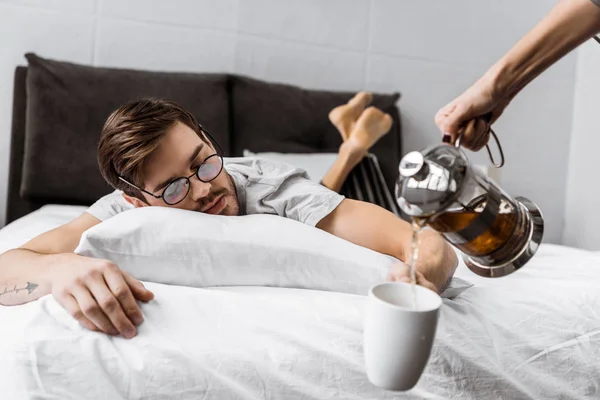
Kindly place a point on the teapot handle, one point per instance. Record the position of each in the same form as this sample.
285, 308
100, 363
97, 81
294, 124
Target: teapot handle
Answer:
487, 146
487, 118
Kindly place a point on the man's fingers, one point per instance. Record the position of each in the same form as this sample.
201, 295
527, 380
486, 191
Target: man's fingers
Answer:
69, 303
112, 308
421, 281
137, 288
400, 272
395, 276
127, 304
92, 311
428, 285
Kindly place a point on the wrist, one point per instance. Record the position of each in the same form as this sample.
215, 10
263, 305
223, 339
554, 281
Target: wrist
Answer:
501, 80
53, 265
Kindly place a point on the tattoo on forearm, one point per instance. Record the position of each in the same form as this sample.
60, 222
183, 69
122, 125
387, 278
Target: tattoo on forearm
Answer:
30, 288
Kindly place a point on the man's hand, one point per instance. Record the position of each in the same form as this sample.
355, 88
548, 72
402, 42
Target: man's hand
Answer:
374, 227
399, 272
99, 295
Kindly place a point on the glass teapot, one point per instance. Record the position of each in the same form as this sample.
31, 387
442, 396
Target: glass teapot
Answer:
497, 234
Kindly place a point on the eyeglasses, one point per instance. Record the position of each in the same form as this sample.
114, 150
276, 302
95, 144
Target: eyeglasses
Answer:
178, 189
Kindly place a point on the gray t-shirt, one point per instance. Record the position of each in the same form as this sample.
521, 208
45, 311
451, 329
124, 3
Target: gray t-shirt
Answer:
263, 187
596, 2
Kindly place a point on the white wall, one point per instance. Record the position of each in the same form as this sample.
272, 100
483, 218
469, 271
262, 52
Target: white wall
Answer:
428, 50
582, 220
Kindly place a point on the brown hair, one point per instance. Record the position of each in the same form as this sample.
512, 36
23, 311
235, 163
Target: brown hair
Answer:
131, 134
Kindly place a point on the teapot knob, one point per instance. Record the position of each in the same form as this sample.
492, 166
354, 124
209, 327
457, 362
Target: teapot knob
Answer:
413, 165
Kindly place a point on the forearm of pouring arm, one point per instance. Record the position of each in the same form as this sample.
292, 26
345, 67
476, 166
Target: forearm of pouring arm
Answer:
569, 23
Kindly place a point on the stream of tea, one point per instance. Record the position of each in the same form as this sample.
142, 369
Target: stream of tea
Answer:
417, 226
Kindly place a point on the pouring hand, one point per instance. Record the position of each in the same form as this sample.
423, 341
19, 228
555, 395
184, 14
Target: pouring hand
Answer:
472, 113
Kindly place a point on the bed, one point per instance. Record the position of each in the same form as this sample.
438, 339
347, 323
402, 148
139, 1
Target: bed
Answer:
533, 334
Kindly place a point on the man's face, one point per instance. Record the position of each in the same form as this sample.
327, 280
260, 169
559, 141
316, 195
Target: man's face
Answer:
179, 154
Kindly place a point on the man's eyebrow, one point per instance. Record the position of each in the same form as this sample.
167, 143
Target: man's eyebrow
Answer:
196, 152
164, 183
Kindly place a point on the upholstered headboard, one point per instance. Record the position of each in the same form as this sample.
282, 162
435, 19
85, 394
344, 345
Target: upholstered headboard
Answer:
59, 109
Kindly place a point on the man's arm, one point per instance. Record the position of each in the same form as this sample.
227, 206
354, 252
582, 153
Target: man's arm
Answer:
33, 264
373, 227
95, 292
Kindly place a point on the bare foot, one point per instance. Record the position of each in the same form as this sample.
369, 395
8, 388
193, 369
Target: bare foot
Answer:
371, 126
344, 117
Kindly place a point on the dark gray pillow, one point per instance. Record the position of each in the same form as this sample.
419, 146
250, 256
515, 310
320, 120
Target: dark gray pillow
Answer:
67, 105
288, 119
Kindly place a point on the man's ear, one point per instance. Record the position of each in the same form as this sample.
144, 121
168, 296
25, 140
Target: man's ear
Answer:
134, 200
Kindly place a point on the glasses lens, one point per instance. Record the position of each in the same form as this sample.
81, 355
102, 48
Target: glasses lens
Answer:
176, 191
211, 168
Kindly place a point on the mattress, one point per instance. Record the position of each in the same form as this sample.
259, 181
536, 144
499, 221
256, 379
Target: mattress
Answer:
533, 334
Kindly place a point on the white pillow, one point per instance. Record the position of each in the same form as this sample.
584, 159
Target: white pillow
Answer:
187, 248
315, 164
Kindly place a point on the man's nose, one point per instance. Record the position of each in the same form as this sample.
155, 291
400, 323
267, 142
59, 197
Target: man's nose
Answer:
198, 188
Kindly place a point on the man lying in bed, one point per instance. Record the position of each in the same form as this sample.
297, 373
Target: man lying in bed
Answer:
155, 153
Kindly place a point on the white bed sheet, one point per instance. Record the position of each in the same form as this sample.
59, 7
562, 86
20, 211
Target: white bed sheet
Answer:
46, 218
533, 334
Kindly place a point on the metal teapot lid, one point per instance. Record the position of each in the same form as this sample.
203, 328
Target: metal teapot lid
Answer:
430, 181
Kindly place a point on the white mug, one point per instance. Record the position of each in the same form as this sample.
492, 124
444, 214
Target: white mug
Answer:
397, 337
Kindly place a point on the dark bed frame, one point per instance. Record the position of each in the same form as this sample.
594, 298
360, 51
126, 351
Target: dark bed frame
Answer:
19, 205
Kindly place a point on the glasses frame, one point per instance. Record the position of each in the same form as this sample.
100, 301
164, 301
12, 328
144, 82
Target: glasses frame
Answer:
218, 154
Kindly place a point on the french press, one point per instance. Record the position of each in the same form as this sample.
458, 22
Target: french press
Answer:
496, 233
